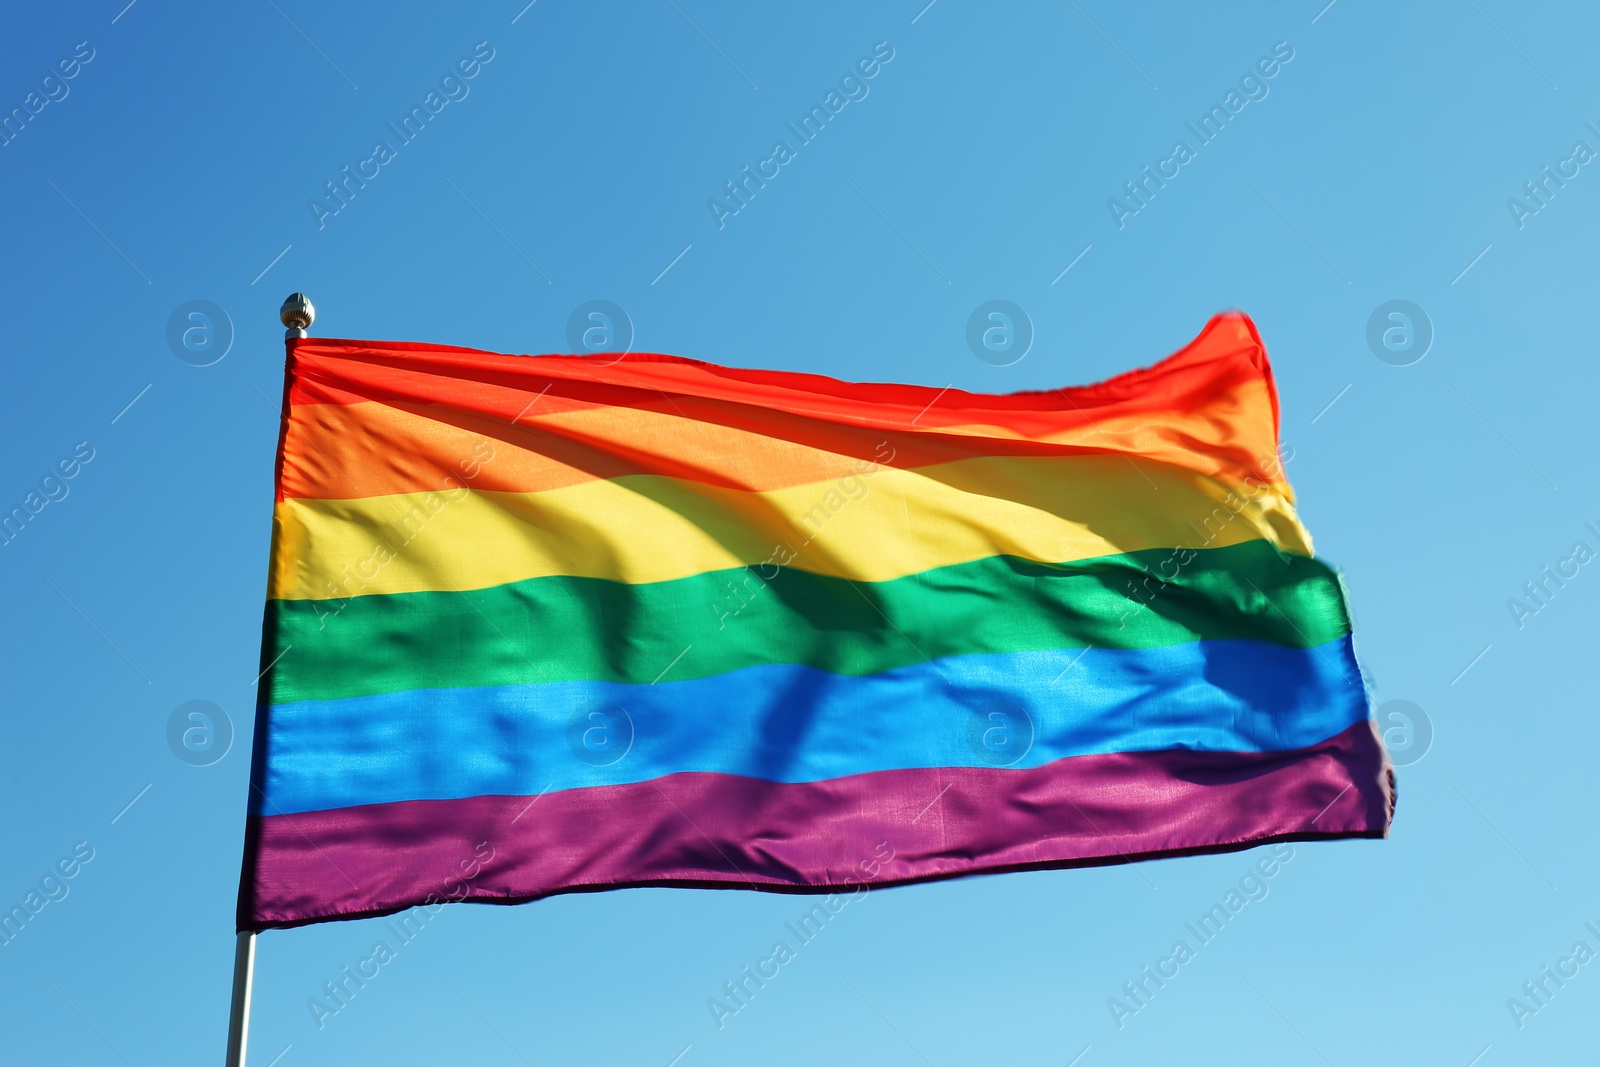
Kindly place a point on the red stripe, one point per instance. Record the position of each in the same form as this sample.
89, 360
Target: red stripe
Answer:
1228, 351
727, 832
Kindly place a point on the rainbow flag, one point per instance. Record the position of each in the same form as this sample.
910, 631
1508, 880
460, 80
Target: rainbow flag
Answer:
550, 624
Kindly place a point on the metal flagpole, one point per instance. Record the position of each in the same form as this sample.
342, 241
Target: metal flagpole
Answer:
296, 314
244, 966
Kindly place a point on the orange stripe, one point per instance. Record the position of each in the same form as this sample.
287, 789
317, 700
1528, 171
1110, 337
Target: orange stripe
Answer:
349, 451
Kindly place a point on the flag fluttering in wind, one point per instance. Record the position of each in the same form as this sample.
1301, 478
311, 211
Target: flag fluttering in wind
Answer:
550, 624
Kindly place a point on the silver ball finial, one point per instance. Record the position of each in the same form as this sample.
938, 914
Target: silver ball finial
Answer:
297, 314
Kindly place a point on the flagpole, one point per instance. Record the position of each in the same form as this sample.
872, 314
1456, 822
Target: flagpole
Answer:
296, 314
244, 966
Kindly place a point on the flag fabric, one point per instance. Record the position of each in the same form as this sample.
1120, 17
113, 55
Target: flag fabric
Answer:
551, 624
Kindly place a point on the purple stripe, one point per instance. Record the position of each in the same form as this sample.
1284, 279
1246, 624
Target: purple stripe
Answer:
728, 832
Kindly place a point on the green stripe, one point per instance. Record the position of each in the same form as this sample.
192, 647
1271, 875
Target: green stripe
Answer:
569, 628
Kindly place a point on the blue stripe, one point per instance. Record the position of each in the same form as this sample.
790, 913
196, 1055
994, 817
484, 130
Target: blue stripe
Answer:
790, 723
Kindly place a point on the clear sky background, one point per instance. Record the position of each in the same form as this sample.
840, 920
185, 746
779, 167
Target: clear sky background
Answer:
177, 167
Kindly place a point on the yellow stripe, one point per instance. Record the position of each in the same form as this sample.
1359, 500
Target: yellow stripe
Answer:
871, 527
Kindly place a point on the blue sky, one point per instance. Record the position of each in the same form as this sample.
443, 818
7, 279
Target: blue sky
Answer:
1378, 163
